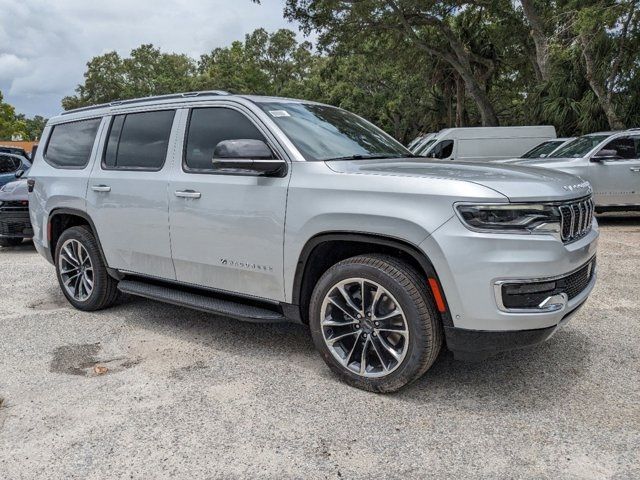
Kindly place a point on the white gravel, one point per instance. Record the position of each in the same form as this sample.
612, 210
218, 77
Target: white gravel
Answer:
190, 395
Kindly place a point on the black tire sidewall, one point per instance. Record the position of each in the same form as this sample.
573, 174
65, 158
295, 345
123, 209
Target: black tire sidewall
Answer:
411, 364
85, 237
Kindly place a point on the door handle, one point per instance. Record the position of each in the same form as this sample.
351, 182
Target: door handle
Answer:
101, 188
187, 194
635, 169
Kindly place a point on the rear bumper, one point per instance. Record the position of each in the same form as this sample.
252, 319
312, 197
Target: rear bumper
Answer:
477, 345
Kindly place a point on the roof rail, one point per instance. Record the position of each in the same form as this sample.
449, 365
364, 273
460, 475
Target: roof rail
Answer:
634, 128
132, 101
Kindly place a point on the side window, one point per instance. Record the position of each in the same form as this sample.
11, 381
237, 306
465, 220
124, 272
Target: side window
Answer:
443, 149
624, 147
210, 126
138, 141
8, 164
70, 144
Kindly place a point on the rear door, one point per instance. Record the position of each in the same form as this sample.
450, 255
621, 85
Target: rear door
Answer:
127, 192
617, 181
227, 230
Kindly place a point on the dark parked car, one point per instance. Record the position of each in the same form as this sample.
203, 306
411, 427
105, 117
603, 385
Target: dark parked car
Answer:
10, 164
14, 151
15, 225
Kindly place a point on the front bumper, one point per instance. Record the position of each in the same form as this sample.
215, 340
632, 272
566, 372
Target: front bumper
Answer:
477, 345
15, 222
472, 267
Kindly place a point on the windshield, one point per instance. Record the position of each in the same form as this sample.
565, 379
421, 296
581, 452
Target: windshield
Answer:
321, 132
542, 150
579, 147
423, 149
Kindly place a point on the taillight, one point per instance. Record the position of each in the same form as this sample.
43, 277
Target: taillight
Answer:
31, 183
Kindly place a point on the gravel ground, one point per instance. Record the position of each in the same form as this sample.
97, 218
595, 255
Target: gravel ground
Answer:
191, 395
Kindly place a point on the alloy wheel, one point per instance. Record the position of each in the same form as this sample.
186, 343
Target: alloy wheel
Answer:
76, 270
364, 327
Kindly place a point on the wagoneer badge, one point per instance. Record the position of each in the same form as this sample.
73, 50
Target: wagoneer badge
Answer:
579, 186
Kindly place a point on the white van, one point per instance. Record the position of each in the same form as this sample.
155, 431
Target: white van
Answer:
485, 143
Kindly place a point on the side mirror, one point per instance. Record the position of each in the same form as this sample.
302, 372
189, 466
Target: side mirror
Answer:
247, 157
605, 154
19, 173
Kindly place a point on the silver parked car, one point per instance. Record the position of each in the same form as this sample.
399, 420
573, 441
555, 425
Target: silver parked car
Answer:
268, 210
546, 148
609, 161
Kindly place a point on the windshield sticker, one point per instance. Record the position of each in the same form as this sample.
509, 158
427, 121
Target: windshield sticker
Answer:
279, 113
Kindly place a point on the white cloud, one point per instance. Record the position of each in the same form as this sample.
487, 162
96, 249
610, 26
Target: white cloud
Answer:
45, 45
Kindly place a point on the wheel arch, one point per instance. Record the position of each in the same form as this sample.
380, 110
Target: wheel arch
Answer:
325, 249
61, 219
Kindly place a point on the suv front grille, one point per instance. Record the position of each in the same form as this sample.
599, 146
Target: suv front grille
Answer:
576, 219
14, 219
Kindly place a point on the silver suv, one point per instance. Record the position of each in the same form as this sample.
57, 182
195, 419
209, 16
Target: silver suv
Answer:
271, 209
610, 161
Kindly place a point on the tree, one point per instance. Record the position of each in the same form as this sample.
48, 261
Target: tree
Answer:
602, 32
268, 64
12, 123
434, 30
147, 71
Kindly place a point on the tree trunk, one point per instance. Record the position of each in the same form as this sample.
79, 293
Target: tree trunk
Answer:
487, 113
460, 98
539, 39
604, 99
458, 57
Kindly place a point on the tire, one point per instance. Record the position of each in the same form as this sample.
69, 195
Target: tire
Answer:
10, 242
104, 291
422, 335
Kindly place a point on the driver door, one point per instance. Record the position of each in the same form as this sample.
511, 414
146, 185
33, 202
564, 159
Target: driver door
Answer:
616, 181
227, 229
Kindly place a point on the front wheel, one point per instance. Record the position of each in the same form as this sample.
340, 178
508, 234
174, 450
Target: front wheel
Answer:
374, 322
81, 272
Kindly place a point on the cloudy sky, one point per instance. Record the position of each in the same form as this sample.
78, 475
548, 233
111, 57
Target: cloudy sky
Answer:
45, 44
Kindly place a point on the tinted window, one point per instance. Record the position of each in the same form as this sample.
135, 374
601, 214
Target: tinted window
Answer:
139, 140
443, 149
8, 164
321, 132
70, 144
625, 147
210, 126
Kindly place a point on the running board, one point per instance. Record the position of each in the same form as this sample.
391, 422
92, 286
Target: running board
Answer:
204, 303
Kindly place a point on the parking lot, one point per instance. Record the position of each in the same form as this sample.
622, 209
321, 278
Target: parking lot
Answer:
186, 394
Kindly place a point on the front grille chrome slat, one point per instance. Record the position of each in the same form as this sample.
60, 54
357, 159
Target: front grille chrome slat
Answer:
576, 219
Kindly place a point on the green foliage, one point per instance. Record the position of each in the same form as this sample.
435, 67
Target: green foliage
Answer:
413, 66
12, 123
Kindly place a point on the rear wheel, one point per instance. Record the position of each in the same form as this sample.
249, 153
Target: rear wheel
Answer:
81, 272
10, 242
374, 322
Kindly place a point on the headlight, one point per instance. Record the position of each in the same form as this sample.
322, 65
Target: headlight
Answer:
511, 218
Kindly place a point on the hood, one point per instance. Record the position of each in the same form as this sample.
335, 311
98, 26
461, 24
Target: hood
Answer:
519, 184
15, 191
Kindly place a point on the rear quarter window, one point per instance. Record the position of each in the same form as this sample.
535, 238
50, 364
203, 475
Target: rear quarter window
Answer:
70, 144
